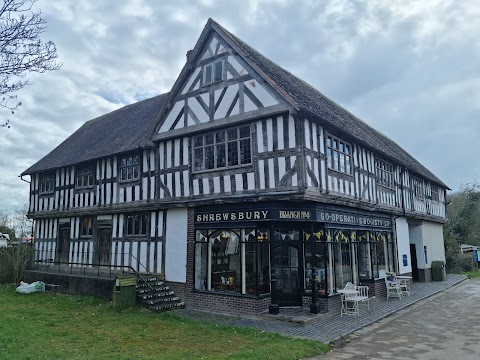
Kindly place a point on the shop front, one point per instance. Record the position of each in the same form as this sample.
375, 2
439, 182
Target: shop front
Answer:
280, 249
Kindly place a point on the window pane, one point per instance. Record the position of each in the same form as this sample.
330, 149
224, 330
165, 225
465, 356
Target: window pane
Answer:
231, 134
129, 225
232, 153
335, 160
136, 222
342, 162
198, 141
245, 152
129, 161
209, 139
245, 131
218, 71
209, 157
201, 261
220, 136
123, 173
221, 156
198, 159
135, 172
129, 172
208, 74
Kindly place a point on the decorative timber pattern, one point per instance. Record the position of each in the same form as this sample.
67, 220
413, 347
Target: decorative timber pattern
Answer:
107, 188
237, 90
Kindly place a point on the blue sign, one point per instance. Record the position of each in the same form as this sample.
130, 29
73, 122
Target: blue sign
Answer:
405, 260
475, 256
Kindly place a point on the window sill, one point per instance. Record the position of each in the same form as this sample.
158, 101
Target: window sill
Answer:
237, 167
128, 182
232, 294
340, 172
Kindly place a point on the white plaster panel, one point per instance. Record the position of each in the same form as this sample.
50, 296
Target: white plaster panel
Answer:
186, 188
206, 187
176, 245
185, 151
250, 181
261, 93
248, 104
269, 134
281, 144
178, 187
177, 152
237, 66
227, 184
238, 182
190, 81
271, 174
196, 187
216, 184
291, 132
198, 110
259, 137
172, 116
169, 154
226, 101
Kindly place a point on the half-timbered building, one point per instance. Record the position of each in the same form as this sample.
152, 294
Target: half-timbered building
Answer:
242, 187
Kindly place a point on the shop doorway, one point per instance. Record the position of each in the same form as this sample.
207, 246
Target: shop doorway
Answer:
413, 256
287, 272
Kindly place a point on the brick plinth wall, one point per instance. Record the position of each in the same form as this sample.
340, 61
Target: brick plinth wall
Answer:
73, 285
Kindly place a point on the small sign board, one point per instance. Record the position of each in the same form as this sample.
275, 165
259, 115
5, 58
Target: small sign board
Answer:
405, 260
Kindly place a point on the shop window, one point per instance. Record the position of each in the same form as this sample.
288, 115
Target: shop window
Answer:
363, 256
339, 155
222, 149
86, 227
343, 258
218, 261
382, 256
315, 260
46, 183
136, 224
213, 72
129, 168
84, 176
384, 174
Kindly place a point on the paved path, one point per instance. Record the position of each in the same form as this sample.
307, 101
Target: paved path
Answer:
445, 326
328, 329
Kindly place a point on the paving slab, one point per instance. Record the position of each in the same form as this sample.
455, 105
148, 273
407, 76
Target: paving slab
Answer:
332, 327
442, 327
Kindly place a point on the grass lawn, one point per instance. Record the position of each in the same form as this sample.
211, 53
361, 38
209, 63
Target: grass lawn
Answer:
53, 326
473, 274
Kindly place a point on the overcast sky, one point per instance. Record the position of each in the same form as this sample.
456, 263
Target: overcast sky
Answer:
410, 69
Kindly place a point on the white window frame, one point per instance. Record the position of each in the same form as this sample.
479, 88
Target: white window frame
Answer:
212, 79
82, 172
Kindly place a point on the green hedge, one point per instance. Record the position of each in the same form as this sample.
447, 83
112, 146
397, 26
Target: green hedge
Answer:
13, 262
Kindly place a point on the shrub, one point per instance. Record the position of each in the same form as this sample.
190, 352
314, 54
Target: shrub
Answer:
13, 263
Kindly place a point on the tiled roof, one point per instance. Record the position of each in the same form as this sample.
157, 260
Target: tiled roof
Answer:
121, 130
308, 99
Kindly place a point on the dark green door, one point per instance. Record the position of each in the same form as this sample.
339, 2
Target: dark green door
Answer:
286, 275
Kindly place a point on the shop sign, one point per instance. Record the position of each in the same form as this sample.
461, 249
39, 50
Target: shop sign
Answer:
232, 216
351, 219
325, 216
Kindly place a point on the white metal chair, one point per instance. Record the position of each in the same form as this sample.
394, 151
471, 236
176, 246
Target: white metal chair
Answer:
393, 289
362, 296
349, 299
404, 286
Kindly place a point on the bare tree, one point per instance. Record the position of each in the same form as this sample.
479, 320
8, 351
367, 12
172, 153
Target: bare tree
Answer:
21, 50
